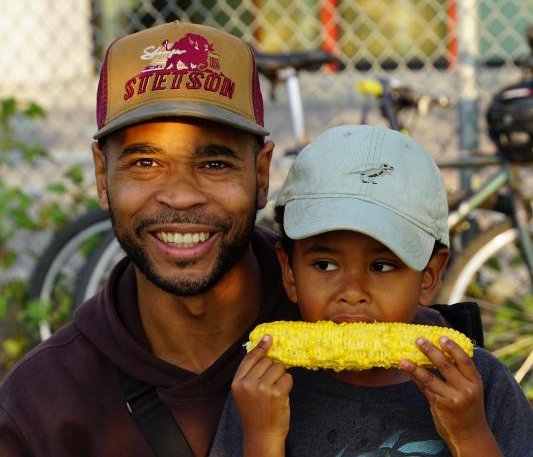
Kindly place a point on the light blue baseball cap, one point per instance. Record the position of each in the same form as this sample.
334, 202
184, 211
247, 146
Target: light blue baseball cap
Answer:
371, 180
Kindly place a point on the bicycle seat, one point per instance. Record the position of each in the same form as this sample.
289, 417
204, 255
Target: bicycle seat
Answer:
269, 64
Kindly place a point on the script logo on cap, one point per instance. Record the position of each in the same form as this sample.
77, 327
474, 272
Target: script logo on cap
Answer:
190, 63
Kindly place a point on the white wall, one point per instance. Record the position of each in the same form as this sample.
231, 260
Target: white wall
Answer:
43, 44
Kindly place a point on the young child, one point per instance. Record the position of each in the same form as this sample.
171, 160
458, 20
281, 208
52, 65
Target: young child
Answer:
363, 217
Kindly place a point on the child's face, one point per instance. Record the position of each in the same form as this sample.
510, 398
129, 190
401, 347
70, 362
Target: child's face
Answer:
346, 276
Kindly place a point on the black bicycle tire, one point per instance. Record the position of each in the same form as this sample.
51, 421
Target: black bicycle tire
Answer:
63, 242
92, 270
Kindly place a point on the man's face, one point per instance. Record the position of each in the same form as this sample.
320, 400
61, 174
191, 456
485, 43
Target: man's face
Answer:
182, 196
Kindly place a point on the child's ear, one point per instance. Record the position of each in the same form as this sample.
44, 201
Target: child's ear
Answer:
432, 274
287, 275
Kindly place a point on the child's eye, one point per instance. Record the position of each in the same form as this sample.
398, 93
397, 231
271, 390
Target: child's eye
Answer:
382, 267
324, 265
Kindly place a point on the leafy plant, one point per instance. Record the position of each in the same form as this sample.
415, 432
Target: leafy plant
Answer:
23, 215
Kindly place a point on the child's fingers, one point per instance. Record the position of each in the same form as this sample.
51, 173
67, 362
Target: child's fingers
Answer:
424, 378
275, 371
276, 375
464, 364
450, 360
253, 358
284, 384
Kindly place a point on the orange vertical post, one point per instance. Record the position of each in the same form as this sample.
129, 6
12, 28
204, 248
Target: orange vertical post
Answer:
330, 26
452, 32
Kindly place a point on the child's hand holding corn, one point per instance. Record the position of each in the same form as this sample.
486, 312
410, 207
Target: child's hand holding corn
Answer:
261, 389
455, 399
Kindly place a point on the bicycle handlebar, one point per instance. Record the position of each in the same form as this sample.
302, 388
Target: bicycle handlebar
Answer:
403, 96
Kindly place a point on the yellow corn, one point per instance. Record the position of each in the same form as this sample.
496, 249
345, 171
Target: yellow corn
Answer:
351, 346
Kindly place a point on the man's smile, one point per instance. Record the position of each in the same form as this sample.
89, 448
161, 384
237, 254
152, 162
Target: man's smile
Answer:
184, 240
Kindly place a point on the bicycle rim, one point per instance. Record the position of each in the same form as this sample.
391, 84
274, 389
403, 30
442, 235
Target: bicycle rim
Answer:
492, 272
97, 268
60, 261
476, 262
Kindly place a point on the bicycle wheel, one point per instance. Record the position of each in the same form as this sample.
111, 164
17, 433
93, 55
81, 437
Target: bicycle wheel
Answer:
53, 277
96, 269
492, 272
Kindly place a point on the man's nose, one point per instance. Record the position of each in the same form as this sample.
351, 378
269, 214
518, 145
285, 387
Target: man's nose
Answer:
181, 190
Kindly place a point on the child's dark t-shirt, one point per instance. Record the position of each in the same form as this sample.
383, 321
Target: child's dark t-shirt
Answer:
332, 418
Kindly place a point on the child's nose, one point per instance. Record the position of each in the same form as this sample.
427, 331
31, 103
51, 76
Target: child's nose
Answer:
354, 290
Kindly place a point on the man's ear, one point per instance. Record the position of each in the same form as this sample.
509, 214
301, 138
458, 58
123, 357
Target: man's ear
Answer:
287, 275
100, 175
263, 159
432, 274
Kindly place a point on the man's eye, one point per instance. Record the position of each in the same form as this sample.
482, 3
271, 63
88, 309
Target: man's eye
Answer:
215, 165
324, 265
145, 163
382, 267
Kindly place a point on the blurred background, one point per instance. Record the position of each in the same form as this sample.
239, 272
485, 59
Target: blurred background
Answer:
51, 53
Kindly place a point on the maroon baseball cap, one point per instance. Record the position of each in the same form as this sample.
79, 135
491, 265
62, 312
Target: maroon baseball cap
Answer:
179, 69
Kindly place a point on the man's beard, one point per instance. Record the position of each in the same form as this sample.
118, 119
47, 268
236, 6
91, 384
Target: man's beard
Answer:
229, 253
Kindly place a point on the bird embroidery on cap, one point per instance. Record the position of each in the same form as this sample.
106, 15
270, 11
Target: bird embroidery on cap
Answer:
370, 175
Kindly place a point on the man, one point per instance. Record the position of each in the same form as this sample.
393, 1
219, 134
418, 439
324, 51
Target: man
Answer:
182, 165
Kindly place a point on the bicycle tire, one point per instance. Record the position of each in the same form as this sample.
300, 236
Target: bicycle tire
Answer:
96, 269
55, 259
492, 272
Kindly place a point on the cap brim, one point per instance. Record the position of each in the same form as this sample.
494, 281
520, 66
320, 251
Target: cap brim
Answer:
181, 109
308, 217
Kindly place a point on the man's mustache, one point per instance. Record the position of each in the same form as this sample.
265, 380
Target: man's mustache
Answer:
177, 218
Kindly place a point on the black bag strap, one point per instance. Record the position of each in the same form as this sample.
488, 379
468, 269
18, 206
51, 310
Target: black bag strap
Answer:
466, 318
154, 418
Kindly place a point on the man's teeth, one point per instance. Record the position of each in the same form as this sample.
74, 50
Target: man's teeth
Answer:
185, 240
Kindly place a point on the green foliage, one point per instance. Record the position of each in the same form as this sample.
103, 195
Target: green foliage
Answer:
22, 215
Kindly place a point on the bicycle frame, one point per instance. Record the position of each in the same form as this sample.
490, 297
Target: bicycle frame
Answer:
292, 82
507, 178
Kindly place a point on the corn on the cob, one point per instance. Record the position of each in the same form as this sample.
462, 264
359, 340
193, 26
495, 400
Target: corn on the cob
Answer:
350, 346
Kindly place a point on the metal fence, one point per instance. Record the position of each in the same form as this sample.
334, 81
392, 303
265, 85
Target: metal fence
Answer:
464, 49
52, 49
